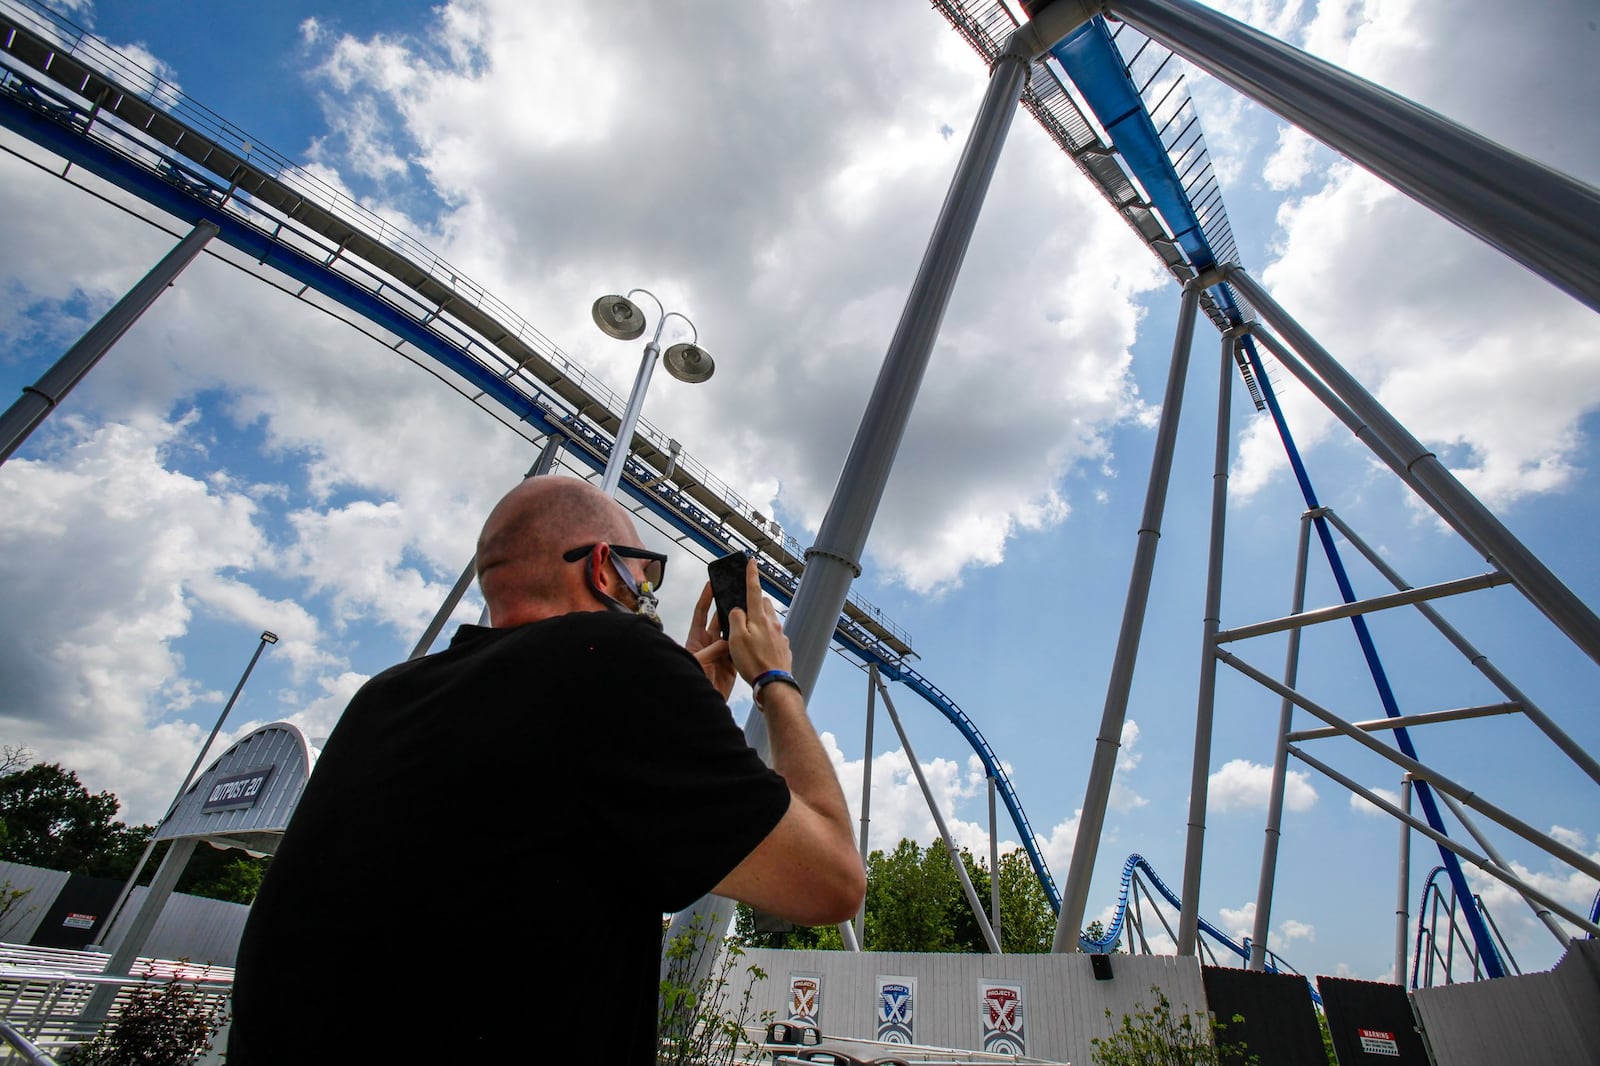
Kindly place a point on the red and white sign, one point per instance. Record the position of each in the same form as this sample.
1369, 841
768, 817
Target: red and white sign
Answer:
1378, 1042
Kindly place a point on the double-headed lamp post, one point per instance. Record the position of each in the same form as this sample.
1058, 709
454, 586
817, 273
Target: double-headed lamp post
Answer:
620, 317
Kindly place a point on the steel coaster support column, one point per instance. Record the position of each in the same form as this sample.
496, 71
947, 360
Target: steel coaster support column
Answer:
866, 791
1280, 763
944, 830
833, 561
1205, 710
994, 864
1544, 219
1535, 714
1481, 862
1097, 794
1448, 497
39, 399
540, 467
1541, 913
1369, 652
1402, 896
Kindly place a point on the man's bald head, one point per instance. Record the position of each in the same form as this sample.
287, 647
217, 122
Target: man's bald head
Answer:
520, 568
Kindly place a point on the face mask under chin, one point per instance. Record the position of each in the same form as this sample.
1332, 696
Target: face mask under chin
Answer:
644, 598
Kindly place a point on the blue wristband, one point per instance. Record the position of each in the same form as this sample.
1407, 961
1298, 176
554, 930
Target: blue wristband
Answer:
761, 681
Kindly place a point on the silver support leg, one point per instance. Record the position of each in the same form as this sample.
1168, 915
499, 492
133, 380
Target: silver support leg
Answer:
1097, 794
994, 866
1402, 920
1545, 220
1200, 773
944, 830
834, 560
541, 466
1280, 764
866, 791
1535, 714
144, 920
1448, 497
40, 398
1541, 913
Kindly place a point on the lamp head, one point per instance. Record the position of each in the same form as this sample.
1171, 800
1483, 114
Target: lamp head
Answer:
269, 637
688, 362
619, 317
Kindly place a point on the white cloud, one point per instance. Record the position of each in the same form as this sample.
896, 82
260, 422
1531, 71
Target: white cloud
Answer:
1242, 785
1361, 806
1290, 163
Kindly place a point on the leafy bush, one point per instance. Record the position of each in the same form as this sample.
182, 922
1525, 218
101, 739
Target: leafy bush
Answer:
1156, 1037
696, 1023
166, 1024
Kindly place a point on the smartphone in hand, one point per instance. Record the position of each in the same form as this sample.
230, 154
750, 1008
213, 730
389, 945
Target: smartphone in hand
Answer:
727, 585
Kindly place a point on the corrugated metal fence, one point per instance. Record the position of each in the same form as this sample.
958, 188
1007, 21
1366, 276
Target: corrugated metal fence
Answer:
190, 927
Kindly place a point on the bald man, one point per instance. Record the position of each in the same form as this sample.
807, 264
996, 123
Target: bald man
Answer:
479, 864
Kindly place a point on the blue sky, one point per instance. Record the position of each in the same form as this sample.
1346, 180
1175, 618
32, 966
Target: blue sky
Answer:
241, 461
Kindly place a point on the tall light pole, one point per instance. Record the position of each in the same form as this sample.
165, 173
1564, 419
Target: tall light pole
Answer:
267, 637
620, 317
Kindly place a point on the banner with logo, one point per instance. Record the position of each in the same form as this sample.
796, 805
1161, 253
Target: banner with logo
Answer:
1000, 1004
897, 1009
805, 998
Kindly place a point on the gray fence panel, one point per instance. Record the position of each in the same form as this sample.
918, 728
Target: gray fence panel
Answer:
22, 921
1537, 1017
1064, 1006
190, 927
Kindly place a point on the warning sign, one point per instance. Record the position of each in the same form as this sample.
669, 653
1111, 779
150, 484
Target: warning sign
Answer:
79, 921
1377, 1042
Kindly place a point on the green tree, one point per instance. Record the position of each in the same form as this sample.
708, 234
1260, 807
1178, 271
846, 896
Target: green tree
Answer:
52, 820
1157, 1037
915, 903
1027, 921
1096, 930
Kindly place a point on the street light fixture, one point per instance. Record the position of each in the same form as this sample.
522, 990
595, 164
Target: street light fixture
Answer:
619, 317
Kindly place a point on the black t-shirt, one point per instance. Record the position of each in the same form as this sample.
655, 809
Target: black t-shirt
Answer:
481, 858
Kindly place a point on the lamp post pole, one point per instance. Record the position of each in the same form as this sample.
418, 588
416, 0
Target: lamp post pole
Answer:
267, 637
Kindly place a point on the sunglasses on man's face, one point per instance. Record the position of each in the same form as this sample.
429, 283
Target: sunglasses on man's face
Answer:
655, 563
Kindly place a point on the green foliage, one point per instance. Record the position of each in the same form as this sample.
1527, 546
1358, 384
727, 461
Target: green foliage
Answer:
915, 903
10, 902
52, 821
166, 1024
1156, 1037
1096, 930
697, 1023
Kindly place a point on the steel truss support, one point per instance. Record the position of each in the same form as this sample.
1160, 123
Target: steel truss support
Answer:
1534, 713
1447, 496
1200, 780
1545, 220
982, 919
1483, 863
1421, 773
1097, 794
1403, 893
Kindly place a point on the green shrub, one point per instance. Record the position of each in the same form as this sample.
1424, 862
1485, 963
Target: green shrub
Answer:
165, 1024
1156, 1037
